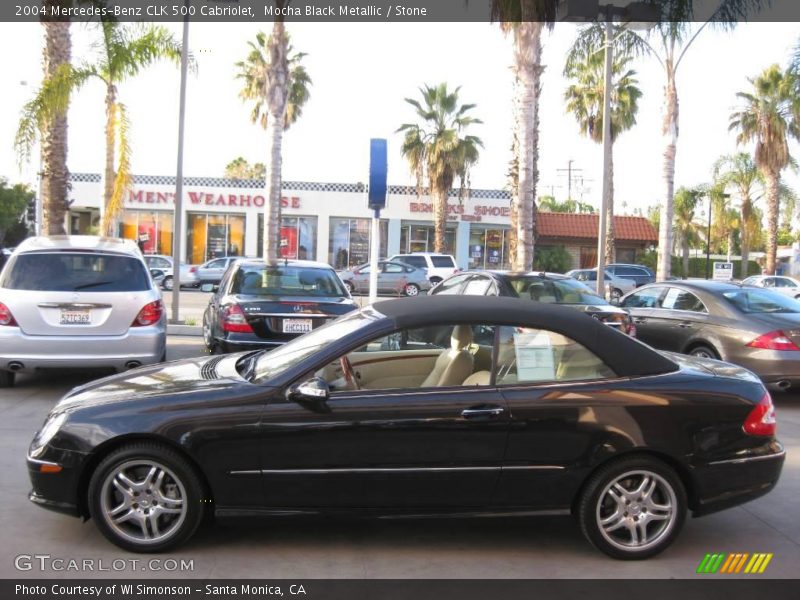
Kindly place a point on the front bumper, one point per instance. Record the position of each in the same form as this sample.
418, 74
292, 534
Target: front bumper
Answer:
145, 345
56, 491
724, 483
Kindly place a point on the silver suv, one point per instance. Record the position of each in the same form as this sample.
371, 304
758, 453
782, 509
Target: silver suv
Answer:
439, 266
78, 301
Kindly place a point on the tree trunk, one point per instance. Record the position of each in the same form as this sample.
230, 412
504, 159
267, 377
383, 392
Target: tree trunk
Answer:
527, 58
730, 243
610, 250
773, 181
670, 133
685, 254
277, 93
54, 173
439, 195
110, 173
513, 181
745, 235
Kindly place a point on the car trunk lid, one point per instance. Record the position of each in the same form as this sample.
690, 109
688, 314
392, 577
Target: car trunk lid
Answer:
289, 316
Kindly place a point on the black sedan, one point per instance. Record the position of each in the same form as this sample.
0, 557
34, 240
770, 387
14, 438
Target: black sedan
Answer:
257, 305
529, 408
539, 286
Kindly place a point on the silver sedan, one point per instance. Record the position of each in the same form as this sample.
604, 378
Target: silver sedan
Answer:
756, 328
394, 277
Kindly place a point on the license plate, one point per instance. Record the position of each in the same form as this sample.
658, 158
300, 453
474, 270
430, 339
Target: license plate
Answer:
296, 325
75, 317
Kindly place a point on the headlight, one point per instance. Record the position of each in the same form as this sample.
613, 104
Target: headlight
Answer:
48, 431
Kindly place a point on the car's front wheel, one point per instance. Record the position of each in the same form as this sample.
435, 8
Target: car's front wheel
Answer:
411, 289
633, 508
167, 283
146, 497
349, 287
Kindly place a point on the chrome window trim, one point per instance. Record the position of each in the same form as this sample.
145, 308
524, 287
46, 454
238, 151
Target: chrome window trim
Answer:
347, 470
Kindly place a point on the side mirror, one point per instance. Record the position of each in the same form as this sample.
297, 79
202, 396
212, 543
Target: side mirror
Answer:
209, 287
312, 393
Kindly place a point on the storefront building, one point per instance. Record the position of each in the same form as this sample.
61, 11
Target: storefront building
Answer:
327, 222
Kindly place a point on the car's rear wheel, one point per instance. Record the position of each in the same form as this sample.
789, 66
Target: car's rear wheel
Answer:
616, 294
146, 497
411, 289
167, 283
7, 379
633, 508
704, 351
435, 280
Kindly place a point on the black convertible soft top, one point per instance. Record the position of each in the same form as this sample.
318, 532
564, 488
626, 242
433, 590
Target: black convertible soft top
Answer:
626, 356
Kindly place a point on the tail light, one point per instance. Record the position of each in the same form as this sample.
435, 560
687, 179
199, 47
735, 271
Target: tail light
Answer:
235, 321
6, 318
774, 340
761, 420
192, 269
149, 315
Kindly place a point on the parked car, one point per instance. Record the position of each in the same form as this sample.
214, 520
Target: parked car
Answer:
550, 288
788, 286
639, 274
393, 278
164, 263
438, 266
262, 306
78, 302
756, 328
554, 411
212, 270
616, 287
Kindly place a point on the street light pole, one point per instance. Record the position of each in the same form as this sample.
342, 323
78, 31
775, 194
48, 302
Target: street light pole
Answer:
708, 235
601, 234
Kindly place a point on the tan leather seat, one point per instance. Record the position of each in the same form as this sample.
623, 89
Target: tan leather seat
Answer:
453, 366
478, 378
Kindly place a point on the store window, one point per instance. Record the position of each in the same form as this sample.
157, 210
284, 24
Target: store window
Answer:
488, 248
349, 241
626, 255
298, 237
213, 235
151, 230
422, 238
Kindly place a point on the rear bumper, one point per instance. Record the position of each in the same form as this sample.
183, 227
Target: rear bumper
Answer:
772, 366
725, 483
145, 345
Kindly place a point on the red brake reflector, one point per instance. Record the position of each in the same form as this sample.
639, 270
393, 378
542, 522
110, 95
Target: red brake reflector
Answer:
761, 420
774, 340
149, 315
6, 318
235, 321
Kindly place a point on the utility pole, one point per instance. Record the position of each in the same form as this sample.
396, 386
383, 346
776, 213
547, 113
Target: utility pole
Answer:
569, 170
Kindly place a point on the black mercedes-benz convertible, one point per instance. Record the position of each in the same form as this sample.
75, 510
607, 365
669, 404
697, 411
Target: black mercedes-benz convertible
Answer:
423, 406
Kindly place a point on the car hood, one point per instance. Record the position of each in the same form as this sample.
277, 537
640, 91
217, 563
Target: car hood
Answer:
178, 377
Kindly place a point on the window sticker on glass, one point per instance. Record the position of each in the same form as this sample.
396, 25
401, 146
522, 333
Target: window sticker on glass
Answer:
535, 357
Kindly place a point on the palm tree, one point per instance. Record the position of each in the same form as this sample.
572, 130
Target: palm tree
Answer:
671, 38
550, 204
584, 98
123, 51
769, 118
525, 20
278, 84
687, 230
438, 148
739, 173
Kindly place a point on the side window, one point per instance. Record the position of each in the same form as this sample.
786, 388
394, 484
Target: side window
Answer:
415, 261
537, 355
216, 264
392, 268
676, 299
451, 286
161, 263
768, 282
783, 282
442, 262
364, 270
646, 298
477, 286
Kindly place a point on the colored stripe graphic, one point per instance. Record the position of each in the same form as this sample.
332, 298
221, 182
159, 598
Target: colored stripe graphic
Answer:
724, 563
711, 563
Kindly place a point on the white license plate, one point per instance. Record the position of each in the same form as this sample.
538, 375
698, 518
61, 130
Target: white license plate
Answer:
75, 317
296, 325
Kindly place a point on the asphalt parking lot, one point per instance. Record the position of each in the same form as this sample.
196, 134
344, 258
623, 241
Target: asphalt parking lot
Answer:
300, 547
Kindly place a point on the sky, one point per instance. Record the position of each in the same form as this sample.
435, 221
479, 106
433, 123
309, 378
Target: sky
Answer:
361, 74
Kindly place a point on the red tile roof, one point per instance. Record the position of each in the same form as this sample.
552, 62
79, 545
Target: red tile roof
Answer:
578, 225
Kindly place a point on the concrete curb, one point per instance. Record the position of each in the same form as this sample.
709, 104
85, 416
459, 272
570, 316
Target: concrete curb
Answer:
185, 330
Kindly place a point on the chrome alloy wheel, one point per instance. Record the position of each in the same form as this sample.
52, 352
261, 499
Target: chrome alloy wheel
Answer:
636, 510
142, 501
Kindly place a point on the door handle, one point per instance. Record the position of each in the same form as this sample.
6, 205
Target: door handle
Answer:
482, 412
684, 325
640, 320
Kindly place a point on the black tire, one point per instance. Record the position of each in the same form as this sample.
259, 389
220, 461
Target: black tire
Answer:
616, 294
7, 379
208, 338
175, 488
435, 280
411, 289
349, 287
167, 283
633, 511
703, 351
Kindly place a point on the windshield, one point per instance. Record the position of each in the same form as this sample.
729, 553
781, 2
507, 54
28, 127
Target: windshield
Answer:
75, 272
273, 363
762, 301
261, 280
556, 291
